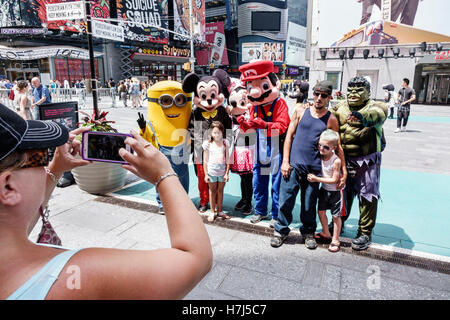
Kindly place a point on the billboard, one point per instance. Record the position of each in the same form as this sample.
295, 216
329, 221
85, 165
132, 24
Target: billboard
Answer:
273, 51
296, 45
217, 55
182, 21
410, 21
33, 13
138, 18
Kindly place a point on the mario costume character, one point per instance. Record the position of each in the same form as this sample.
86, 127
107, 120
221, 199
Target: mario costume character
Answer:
169, 111
243, 145
270, 118
210, 93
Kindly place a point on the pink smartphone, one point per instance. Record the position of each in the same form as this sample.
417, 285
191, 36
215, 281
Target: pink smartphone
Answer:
104, 146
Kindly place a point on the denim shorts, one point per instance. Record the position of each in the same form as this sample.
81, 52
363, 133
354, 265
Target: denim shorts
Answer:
213, 179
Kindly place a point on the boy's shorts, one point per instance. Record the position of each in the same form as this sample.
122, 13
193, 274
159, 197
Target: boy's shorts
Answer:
332, 200
213, 179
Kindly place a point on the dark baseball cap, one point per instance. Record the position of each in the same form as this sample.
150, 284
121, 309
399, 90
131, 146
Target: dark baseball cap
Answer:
324, 86
19, 134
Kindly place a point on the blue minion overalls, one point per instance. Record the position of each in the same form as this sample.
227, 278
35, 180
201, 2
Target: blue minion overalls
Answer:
179, 158
268, 163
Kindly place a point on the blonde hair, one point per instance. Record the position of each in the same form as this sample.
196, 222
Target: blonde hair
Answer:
331, 136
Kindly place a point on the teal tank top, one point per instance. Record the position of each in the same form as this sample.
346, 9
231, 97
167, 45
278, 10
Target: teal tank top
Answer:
38, 286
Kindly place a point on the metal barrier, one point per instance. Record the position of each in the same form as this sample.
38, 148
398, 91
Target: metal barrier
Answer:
106, 96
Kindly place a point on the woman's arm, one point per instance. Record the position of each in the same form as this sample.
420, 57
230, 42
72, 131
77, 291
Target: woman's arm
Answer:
147, 274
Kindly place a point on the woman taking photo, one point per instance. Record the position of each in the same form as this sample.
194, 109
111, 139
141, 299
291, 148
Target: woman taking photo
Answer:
32, 271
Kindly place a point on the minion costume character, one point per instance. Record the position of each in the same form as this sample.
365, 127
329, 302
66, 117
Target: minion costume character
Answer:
169, 112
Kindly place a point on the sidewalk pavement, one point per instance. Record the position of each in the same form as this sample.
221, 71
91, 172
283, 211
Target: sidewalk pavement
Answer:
245, 265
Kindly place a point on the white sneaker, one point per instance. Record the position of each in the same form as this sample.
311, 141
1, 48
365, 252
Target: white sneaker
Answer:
397, 130
403, 129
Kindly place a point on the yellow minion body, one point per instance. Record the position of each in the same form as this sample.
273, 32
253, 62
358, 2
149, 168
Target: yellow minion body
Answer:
169, 123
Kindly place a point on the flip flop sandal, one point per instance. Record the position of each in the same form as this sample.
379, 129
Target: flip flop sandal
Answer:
211, 217
223, 215
334, 247
321, 238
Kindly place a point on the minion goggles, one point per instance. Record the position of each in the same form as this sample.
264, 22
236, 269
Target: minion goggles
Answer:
166, 100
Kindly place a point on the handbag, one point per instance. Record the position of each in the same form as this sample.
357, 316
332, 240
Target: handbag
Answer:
47, 234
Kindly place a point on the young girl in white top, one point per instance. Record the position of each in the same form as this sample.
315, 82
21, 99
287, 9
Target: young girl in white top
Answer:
216, 167
329, 196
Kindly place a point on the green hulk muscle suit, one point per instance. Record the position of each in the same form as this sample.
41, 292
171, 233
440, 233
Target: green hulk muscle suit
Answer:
360, 128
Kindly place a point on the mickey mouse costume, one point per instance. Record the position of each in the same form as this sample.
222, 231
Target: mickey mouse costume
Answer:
210, 93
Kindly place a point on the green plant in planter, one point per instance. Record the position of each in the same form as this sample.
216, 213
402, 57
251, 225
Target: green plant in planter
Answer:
100, 124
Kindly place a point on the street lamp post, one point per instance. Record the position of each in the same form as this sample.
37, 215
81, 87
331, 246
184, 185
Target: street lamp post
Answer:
192, 58
91, 57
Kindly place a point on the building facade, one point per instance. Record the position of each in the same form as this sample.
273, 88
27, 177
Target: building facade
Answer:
382, 49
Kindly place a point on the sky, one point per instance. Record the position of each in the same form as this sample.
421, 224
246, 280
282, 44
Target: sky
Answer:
338, 17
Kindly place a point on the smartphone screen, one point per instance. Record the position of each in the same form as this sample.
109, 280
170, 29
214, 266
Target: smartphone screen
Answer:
104, 147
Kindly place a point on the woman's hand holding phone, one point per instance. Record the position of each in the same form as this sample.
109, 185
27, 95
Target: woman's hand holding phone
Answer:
147, 163
65, 156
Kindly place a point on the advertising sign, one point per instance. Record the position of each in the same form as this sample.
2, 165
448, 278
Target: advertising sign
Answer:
107, 31
65, 113
273, 51
182, 21
141, 20
296, 45
218, 54
65, 11
33, 13
373, 22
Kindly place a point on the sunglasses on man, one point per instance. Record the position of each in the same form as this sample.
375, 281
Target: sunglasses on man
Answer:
323, 95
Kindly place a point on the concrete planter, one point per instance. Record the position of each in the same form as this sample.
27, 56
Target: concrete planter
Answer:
99, 177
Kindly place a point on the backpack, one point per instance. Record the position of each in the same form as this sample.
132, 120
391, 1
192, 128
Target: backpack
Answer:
388, 98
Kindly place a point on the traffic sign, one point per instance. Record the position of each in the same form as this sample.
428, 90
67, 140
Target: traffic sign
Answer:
65, 11
107, 31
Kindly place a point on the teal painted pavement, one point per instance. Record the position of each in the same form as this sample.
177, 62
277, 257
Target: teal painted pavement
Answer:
412, 213
430, 119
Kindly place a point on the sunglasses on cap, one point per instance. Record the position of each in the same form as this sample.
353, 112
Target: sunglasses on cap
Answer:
323, 95
166, 100
325, 147
36, 158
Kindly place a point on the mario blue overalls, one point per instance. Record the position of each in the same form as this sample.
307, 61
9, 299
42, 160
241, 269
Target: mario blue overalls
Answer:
268, 163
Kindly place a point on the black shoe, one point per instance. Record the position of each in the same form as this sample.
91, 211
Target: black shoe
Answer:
277, 241
310, 242
240, 205
65, 182
248, 209
257, 218
203, 208
361, 242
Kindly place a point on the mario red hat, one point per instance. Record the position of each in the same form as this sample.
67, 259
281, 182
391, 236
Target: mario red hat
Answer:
256, 70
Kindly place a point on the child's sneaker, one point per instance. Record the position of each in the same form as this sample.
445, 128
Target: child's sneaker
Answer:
248, 209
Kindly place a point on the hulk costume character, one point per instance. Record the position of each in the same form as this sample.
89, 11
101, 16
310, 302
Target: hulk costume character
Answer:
360, 128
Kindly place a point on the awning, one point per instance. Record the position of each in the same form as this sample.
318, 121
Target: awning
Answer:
160, 58
32, 53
